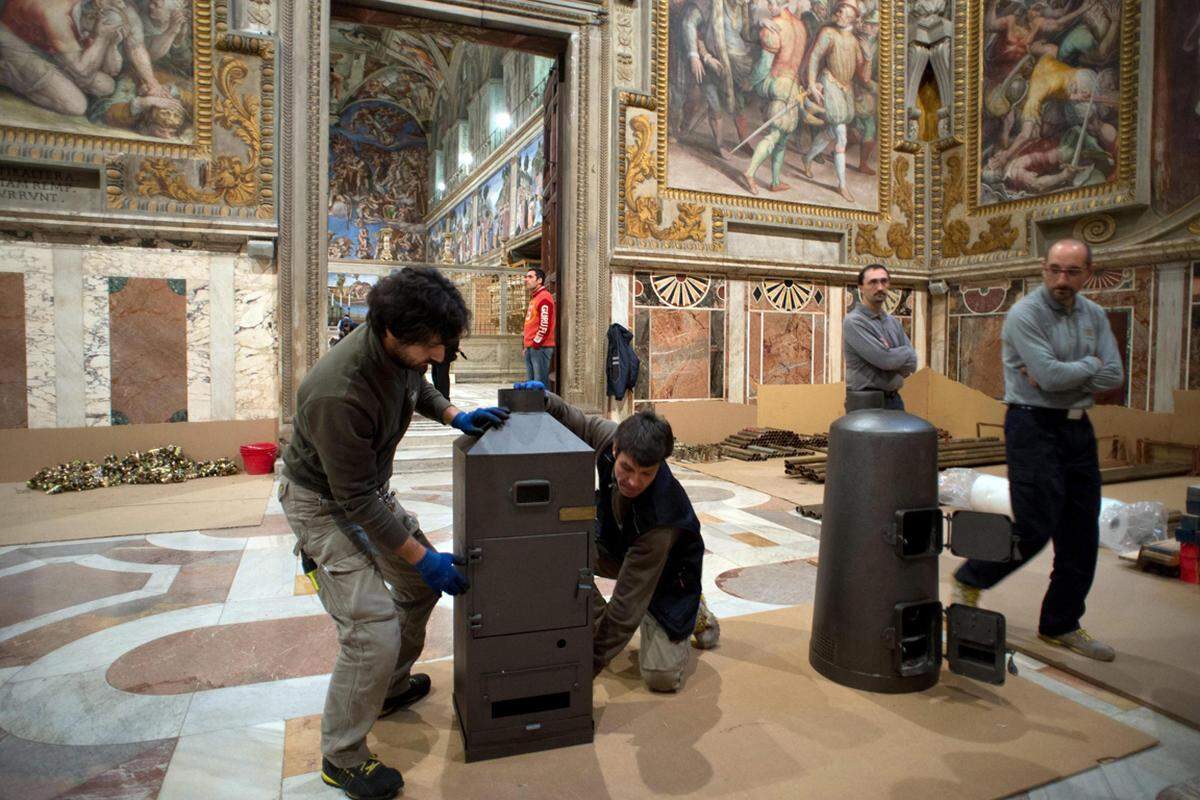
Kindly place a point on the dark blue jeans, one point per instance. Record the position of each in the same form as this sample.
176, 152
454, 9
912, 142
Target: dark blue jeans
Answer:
537, 364
892, 401
1054, 485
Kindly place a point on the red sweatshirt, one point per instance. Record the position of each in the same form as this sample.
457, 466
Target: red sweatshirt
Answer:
539, 319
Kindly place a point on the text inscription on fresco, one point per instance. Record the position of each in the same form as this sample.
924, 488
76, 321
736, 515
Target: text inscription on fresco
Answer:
42, 186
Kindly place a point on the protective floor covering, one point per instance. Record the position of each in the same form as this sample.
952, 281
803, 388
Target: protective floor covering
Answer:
1152, 621
754, 720
765, 476
31, 516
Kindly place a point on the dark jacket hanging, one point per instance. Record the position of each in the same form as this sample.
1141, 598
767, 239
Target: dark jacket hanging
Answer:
623, 363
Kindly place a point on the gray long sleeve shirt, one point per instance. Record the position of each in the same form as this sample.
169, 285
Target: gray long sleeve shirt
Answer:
1071, 355
352, 409
878, 354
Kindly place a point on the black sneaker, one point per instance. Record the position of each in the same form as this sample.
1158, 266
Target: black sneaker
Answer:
418, 687
369, 780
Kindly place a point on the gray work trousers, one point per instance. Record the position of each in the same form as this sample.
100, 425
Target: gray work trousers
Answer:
380, 626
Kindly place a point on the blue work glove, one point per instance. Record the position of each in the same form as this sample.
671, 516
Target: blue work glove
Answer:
529, 385
474, 423
437, 570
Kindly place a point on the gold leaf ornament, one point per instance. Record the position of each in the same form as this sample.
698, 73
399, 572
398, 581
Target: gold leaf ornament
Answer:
643, 215
226, 178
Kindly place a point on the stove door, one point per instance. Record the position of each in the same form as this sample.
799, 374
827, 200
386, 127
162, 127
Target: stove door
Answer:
524, 584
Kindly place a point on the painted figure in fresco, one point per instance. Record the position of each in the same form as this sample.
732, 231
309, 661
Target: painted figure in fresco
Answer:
363, 248
1192, 45
721, 53
339, 248
834, 63
1026, 29
776, 78
385, 246
1073, 91
865, 104
1042, 171
59, 53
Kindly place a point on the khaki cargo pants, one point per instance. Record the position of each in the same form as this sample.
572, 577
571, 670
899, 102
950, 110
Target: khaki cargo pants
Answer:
380, 606
660, 660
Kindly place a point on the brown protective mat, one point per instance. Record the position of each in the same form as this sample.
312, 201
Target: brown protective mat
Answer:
31, 516
765, 476
754, 720
1152, 621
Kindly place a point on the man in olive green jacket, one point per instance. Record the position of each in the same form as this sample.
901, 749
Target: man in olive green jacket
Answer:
377, 575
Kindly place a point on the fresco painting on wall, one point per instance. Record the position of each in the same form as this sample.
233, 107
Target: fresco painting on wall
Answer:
348, 295
775, 98
376, 184
1049, 97
530, 161
493, 215
1176, 146
115, 68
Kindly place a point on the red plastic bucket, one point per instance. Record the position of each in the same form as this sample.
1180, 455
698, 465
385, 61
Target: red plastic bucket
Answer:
259, 457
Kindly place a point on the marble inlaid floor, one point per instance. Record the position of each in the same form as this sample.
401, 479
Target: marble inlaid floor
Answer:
178, 665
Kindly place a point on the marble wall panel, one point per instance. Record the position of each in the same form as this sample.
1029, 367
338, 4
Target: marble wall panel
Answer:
97, 365
199, 352
256, 341
754, 349
679, 354
35, 264
975, 353
13, 406
641, 346
790, 349
148, 346
820, 354
1128, 296
716, 354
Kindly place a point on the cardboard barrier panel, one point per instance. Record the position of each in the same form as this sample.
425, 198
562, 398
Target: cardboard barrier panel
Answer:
31, 516
707, 421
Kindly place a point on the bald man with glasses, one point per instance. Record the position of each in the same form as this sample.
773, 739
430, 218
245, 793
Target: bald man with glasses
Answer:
1059, 352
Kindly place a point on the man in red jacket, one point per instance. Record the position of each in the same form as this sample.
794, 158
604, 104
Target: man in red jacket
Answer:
539, 328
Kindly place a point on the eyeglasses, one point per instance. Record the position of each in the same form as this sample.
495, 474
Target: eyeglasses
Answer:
1072, 273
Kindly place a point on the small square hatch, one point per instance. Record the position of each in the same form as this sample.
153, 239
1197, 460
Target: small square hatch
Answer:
976, 643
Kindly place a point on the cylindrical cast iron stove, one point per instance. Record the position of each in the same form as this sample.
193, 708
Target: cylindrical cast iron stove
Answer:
876, 619
524, 509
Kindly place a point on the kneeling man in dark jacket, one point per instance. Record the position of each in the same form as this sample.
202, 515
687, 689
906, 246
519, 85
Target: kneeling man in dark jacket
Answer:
648, 539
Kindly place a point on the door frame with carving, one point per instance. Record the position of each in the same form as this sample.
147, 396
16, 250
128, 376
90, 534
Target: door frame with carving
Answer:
581, 28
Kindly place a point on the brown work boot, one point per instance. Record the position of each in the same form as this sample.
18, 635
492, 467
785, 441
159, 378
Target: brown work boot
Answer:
707, 632
1080, 641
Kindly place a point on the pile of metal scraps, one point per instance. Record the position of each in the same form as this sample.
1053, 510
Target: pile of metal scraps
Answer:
160, 465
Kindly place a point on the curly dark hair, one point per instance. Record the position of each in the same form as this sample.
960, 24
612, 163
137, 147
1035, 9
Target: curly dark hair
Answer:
417, 305
646, 437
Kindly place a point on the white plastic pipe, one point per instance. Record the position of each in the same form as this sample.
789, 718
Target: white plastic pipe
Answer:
990, 493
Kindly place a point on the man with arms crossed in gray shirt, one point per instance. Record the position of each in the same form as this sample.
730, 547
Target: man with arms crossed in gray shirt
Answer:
1058, 352
878, 354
